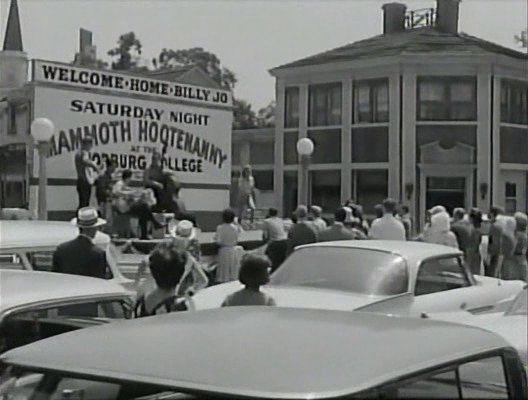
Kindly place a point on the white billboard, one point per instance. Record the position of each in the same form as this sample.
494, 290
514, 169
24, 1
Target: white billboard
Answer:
195, 136
128, 130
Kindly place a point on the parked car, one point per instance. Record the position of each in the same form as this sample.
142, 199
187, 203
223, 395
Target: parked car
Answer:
29, 245
384, 276
511, 324
36, 305
267, 353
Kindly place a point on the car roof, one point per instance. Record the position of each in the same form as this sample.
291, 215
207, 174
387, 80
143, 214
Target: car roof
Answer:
412, 251
39, 234
260, 352
20, 288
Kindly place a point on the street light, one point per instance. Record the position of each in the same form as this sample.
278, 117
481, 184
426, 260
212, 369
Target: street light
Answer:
305, 148
42, 130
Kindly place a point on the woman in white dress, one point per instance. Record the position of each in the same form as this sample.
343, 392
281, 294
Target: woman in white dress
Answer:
229, 253
439, 232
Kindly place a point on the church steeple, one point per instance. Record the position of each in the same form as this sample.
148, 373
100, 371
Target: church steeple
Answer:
13, 34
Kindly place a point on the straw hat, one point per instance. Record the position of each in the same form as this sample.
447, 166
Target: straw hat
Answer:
184, 230
87, 217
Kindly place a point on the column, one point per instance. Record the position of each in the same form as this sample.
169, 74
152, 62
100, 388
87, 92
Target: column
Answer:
303, 132
278, 171
496, 188
484, 83
395, 189
409, 140
346, 141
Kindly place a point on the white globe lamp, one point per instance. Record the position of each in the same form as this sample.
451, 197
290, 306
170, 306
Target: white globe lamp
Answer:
42, 129
305, 147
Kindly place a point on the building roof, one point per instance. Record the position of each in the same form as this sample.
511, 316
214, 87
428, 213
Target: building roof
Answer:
426, 40
13, 35
24, 288
269, 352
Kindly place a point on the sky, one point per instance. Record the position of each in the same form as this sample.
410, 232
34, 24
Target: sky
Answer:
248, 36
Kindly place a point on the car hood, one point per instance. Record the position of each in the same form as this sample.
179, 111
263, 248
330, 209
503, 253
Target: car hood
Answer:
512, 328
288, 296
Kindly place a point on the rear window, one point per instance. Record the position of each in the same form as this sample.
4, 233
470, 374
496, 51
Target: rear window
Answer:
347, 269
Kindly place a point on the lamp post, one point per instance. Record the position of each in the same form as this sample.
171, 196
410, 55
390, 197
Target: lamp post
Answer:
305, 148
42, 130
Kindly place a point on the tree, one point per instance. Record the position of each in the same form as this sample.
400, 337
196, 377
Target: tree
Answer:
266, 116
243, 116
127, 52
522, 39
204, 59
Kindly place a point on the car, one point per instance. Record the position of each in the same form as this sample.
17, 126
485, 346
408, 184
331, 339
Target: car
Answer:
36, 305
29, 245
511, 324
266, 353
406, 278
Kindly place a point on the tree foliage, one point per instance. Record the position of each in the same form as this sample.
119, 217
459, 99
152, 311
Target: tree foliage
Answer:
127, 53
204, 59
243, 115
266, 116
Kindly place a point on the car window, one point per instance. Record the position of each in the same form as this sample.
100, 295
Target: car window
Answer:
17, 384
11, 261
348, 269
26, 327
40, 260
440, 274
479, 379
440, 386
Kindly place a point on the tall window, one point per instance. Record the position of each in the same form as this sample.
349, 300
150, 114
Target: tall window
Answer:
324, 104
291, 107
514, 102
371, 101
371, 188
447, 99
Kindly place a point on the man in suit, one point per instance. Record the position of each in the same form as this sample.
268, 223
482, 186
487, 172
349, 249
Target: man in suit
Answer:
302, 232
494, 258
462, 229
337, 231
81, 256
83, 165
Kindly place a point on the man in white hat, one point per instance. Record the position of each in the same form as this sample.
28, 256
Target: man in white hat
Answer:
81, 256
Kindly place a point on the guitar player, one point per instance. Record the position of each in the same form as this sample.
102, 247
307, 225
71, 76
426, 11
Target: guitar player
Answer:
86, 172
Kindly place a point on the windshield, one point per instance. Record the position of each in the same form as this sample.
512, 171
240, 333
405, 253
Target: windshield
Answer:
519, 305
25, 385
347, 269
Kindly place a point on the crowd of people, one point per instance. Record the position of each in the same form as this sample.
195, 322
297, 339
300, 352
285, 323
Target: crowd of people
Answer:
177, 271
505, 256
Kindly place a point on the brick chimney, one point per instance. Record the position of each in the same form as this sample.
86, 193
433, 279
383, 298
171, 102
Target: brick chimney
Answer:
393, 17
447, 12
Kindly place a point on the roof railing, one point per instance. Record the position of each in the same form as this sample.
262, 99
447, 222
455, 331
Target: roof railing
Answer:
420, 18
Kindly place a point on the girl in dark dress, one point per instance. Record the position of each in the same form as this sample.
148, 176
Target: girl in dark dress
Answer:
167, 266
473, 258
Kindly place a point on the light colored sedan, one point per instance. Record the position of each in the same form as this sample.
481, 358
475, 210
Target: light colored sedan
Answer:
406, 278
29, 245
511, 324
266, 353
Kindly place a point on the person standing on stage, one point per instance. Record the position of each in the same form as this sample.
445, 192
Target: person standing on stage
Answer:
246, 194
86, 172
154, 179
